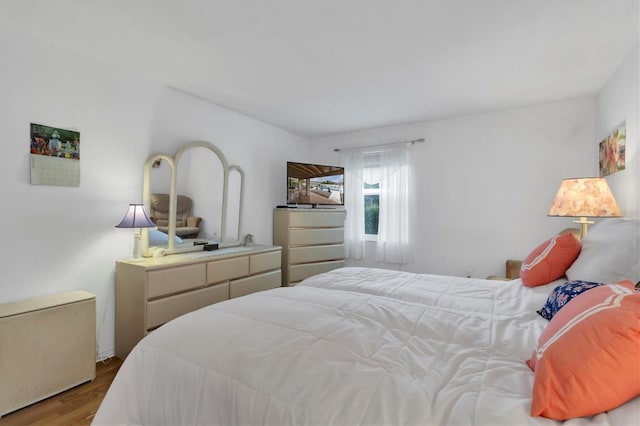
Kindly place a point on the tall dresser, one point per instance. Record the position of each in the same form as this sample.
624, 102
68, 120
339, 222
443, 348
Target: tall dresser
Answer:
151, 292
312, 241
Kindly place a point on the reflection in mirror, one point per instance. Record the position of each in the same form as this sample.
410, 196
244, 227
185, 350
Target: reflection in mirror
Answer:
200, 172
200, 176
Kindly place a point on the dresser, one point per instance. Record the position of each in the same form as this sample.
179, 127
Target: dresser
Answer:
312, 241
151, 292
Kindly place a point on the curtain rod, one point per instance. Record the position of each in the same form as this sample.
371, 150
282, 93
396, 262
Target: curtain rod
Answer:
413, 141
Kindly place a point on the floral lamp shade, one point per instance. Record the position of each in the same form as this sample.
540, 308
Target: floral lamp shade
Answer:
584, 197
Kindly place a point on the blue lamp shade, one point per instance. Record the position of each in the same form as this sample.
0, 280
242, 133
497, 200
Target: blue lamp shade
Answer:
136, 217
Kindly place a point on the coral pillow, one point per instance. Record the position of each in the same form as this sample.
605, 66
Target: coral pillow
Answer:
586, 360
550, 260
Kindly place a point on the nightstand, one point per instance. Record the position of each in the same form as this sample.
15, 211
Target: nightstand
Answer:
512, 268
512, 271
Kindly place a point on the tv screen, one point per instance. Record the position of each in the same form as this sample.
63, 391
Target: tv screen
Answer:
314, 184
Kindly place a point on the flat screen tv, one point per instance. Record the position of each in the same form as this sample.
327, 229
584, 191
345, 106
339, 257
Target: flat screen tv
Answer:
314, 184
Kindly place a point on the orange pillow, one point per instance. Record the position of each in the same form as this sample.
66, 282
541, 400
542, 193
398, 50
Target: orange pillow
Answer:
587, 360
550, 260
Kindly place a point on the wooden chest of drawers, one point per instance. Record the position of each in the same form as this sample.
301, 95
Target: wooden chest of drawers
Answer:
312, 241
151, 292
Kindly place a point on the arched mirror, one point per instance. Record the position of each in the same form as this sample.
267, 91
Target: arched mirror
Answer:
197, 180
200, 176
234, 203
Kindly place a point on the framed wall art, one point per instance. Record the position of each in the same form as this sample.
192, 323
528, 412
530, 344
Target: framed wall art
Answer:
612, 152
55, 156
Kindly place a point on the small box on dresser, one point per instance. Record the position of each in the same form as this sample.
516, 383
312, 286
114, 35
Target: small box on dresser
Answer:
312, 241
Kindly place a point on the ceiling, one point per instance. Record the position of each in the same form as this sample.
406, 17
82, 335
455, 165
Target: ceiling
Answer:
320, 67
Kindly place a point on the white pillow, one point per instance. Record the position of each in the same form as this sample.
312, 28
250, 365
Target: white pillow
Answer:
609, 253
160, 238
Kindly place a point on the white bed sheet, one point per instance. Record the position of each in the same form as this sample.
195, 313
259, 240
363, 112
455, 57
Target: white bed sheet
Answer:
352, 346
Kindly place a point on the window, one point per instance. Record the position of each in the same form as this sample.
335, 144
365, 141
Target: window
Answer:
371, 194
379, 204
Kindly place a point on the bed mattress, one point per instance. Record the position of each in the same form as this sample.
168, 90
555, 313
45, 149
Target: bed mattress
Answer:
352, 346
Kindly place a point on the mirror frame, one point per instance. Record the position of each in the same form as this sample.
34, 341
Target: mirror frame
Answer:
173, 197
240, 202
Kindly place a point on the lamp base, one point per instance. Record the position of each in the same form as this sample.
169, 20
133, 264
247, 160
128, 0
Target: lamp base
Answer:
136, 244
583, 222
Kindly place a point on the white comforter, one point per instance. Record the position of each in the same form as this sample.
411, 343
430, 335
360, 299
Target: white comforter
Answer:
352, 346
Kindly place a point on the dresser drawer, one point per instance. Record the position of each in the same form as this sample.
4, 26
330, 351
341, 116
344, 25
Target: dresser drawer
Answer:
316, 236
227, 269
316, 253
318, 220
165, 309
175, 280
300, 272
250, 285
264, 262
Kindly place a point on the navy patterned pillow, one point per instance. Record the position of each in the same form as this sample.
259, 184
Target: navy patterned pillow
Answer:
562, 294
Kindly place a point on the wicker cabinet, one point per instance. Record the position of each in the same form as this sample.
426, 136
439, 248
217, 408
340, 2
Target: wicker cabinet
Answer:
47, 345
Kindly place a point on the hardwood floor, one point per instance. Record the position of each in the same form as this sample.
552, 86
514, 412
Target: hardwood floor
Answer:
76, 406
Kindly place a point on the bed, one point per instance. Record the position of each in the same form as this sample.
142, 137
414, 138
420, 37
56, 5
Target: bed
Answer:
351, 346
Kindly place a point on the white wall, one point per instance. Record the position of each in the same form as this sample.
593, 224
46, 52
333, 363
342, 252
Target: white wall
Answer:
63, 238
260, 149
616, 104
485, 182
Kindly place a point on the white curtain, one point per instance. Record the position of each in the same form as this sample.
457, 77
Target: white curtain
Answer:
391, 168
354, 204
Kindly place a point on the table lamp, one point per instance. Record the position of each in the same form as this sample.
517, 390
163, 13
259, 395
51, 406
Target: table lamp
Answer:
136, 218
584, 197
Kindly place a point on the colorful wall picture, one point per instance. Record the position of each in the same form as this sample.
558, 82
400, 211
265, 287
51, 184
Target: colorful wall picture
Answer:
612, 152
55, 156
